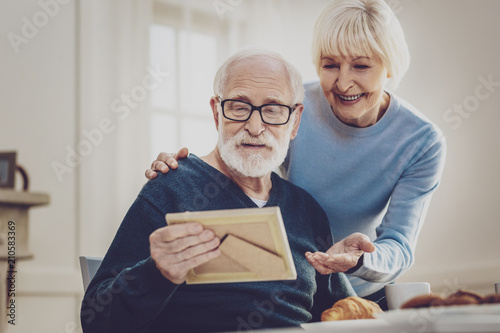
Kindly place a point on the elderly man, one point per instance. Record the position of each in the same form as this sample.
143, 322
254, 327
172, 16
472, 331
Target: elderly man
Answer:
140, 284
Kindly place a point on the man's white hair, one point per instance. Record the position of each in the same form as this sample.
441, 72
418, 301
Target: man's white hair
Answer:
247, 54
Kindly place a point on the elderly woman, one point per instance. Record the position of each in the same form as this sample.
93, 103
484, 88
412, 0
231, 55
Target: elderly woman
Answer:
368, 157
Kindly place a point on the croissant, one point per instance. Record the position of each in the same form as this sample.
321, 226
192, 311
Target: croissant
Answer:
489, 299
351, 308
460, 297
463, 297
423, 301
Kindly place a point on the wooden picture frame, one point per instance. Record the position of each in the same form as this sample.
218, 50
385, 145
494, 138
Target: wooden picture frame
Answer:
7, 169
254, 245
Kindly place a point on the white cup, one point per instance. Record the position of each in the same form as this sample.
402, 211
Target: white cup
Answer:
497, 287
398, 293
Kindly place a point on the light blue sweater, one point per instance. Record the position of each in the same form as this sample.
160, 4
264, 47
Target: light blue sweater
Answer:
376, 180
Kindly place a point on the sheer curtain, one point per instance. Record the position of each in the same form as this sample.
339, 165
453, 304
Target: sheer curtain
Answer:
115, 81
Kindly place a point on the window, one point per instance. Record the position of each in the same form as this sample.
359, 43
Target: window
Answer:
190, 53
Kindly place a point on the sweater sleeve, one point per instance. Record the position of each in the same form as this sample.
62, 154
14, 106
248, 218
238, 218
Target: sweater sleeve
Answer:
397, 234
128, 291
331, 288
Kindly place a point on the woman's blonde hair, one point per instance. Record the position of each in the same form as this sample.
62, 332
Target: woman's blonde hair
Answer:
353, 28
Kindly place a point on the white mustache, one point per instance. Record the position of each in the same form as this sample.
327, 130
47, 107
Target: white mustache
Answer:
263, 139
255, 164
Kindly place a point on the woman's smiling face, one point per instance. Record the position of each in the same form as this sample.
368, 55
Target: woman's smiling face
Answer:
354, 87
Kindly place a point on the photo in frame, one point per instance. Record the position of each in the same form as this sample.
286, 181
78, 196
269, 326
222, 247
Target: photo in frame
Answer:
7, 169
254, 245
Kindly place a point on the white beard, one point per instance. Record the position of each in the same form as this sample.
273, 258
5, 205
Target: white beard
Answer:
254, 165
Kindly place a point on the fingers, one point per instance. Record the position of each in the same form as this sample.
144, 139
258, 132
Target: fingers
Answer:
195, 251
183, 153
163, 156
179, 271
187, 243
156, 166
163, 162
176, 231
150, 174
162, 167
333, 263
178, 248
166, 161
342, 255
367, 245
359, 241
170, 162
346, 260
171, 159
364, 243
322, 269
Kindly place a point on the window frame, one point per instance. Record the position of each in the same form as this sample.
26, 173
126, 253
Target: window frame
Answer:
182, 17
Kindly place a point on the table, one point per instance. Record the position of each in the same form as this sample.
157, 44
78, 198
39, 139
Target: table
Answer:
381, 326
452, 319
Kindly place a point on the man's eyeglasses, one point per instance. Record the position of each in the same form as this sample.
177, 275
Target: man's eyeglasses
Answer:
271, 114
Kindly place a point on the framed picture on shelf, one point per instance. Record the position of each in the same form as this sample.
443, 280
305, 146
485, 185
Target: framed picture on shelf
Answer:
7, 169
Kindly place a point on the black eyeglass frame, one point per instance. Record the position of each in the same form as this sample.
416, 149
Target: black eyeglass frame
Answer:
257, 108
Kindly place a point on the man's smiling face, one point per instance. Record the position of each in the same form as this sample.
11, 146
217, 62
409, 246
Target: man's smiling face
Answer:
254, 148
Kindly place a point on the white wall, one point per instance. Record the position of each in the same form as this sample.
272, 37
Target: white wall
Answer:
37, 107
452, 42
454, 47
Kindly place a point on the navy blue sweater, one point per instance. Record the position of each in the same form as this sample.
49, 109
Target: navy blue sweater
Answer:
129, 294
